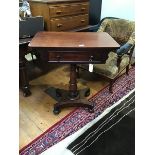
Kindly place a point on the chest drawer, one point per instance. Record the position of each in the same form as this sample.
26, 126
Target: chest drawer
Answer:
72, 56
68, 23
70, 9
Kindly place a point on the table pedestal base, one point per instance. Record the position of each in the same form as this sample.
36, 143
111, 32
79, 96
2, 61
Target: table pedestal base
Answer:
64, 99
72, 97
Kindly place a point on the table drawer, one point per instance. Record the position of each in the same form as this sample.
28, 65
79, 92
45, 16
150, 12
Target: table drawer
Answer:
68, 23
68, 9
74, 56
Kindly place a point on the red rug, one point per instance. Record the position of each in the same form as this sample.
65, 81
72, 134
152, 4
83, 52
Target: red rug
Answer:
80, 117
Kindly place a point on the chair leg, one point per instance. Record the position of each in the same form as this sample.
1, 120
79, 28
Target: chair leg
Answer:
110, 86
127, 69
133, 64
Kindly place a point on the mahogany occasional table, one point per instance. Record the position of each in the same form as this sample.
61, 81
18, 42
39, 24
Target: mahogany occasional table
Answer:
73, 48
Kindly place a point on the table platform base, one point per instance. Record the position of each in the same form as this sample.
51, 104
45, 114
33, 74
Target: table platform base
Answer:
64, 99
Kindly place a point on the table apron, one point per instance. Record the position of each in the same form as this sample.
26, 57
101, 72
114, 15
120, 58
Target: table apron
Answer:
76, 57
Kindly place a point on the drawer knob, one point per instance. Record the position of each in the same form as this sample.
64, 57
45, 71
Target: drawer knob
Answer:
82, 21
59, 25
58, 57
59, 12
91, 58
83, 9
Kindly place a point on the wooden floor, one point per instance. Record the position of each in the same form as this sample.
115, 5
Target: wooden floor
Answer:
36, 114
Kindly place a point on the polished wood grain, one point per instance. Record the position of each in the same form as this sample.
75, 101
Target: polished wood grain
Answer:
73, 40
65, 10
56, 13
78, 57
56, 1
69, 23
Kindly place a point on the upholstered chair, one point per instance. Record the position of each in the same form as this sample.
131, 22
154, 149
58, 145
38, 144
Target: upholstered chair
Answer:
123, 31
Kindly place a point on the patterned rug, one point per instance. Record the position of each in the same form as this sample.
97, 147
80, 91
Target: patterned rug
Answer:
114, 132
80, 117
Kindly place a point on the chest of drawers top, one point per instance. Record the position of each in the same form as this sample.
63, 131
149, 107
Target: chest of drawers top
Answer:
56, 1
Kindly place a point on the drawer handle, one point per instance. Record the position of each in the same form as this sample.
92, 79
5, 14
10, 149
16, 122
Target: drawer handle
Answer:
58, 57
59, 12
82, 21
91, 58
59, 25
83, 9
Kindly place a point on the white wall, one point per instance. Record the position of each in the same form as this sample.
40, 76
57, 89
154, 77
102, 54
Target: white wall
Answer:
118, 8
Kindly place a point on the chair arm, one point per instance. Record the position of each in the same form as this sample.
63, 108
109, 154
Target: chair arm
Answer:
94, 28
124, 49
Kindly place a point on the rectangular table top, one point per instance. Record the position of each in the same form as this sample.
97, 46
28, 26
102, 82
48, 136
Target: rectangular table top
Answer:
73, 40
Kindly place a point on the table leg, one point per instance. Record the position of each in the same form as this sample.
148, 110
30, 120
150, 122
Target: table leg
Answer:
73, 97
24, 82
73, 93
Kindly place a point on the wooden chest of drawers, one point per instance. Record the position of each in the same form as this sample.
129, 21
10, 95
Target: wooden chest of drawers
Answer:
61, 15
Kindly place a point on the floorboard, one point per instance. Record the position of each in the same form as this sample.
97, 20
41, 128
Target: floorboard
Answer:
35, 111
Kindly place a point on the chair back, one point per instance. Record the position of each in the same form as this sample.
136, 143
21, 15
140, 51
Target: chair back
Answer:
120, 29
